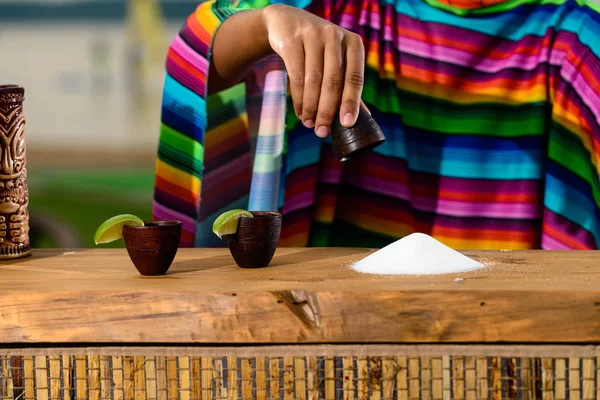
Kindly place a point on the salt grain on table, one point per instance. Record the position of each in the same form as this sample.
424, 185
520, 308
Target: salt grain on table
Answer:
416, 254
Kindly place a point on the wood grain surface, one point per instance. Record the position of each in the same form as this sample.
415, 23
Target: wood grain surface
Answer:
306, 296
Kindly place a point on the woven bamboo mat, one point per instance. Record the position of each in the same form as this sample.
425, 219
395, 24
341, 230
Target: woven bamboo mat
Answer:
93, 375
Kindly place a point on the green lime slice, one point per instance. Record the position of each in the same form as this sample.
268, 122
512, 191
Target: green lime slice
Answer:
227, 223
112, 228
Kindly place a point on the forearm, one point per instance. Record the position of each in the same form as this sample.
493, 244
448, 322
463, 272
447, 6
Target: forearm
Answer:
239, 42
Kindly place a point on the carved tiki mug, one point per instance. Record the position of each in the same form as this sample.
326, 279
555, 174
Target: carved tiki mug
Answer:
14, 216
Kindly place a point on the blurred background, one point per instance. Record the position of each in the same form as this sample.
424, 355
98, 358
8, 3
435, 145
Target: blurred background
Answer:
93, 73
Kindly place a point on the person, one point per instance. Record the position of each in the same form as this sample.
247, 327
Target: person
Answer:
491, 110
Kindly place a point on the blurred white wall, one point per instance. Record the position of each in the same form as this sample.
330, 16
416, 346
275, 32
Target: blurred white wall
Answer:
80, 85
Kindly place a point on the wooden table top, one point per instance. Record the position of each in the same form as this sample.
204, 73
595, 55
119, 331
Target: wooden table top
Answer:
305, 296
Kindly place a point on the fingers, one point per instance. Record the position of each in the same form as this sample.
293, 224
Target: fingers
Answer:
313, 78
326, 74
353, 80
293, 59
364, 107
333, 81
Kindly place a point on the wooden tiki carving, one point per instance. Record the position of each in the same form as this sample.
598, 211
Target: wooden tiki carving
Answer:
14, 216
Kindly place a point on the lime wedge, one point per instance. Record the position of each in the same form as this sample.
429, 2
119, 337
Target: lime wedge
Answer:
112, 228
227, 223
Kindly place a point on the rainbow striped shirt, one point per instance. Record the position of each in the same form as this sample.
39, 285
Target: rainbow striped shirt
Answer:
491, 109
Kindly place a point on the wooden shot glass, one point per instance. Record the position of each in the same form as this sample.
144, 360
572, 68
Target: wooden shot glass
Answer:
152, 247
256, 240
363, 136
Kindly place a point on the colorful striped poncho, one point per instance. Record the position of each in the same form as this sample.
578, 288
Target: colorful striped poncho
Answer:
491, 111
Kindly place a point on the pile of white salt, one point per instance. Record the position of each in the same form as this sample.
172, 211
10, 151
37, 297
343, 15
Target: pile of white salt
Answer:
416, 254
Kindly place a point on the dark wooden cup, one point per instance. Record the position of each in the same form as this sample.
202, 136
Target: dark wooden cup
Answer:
256, 240
152, 247
363, 136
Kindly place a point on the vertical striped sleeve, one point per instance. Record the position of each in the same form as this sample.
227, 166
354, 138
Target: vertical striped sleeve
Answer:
180, 166
572, 195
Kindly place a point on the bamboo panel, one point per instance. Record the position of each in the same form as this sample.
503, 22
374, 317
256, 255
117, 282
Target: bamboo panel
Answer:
232, 381
105, 383
207, 376
348, 373
524, 379
560, 380
17, 374
446, 378
94, 377
539, 380
173, 378
275, 374
363, 378
246, 365
129, 377
388, 377
288, 378
7, 379
161, 377
300, 379
119, 384
312, 378
185, 385
511, 378
574, 375
139, 378
219, 380
482, 379
28, 374
150, 370
425, 378
41, 377
458, 368
402, 378
414, 385
330, 392
195, 378
496, 378
470, 378
547, 379
81, 383
437, 384
375, 375
588, 366
67, 368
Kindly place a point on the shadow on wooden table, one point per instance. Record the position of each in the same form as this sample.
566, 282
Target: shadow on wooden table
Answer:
308, 255
201, 264
279, 260
36, 255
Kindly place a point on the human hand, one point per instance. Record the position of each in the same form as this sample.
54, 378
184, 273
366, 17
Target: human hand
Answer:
325, 65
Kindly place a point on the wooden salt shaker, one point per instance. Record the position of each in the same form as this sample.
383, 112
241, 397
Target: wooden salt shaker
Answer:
14, 199
363, 136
